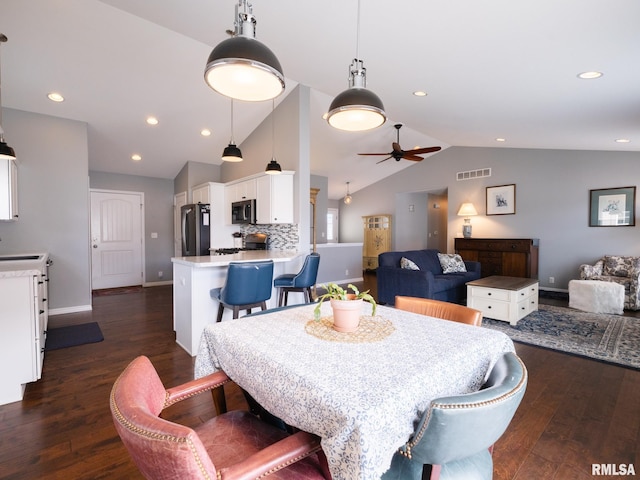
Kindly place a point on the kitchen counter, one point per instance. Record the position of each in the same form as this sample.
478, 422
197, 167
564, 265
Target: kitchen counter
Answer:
17, 266
194, 277
243, 256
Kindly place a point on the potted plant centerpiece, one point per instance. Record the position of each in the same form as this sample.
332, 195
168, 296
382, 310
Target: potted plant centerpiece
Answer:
346, 306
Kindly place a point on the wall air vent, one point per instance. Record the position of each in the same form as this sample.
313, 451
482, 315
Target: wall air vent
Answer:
471, 174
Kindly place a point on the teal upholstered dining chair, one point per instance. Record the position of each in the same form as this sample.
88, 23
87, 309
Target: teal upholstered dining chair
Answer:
302, 281
455, 436
248, 286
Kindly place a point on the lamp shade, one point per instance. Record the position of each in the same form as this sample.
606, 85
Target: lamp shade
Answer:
245, 69
356, 109
273, 167
6, 152
232, 153
467, 210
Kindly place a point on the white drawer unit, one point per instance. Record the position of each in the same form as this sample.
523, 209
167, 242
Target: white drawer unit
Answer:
503, 298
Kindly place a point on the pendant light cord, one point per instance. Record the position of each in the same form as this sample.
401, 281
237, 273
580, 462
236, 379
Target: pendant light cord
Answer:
3, 38
232, 140
273, 129
358, 33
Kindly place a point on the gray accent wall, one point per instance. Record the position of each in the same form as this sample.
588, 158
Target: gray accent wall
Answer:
552, 202
53, 202
158, 218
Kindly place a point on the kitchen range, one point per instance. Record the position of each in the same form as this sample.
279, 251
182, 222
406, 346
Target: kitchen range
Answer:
252, 241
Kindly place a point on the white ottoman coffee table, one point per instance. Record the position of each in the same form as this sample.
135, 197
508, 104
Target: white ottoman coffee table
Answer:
596, 296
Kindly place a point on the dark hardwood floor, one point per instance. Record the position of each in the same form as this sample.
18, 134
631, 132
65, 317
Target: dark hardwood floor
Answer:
576, 411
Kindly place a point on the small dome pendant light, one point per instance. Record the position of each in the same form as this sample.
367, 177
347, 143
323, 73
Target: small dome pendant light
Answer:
232, 153
347, 197
273, 167
241, 67
356, 109
6, 152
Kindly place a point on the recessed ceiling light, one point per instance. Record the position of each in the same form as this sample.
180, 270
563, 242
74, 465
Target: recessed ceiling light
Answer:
590, 75
55, 97
136, 157
623, 140
420, 93
152, 120
205, 132
501, 139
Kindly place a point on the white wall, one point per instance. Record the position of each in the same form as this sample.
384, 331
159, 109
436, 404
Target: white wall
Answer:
53, 202
552, 201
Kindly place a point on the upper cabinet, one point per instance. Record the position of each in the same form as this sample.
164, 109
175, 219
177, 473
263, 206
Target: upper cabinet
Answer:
8, 190
274, 202
244, 190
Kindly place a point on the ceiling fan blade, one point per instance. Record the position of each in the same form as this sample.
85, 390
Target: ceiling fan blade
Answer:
374, 153
418, 151
413, 158
390, 156
396, 147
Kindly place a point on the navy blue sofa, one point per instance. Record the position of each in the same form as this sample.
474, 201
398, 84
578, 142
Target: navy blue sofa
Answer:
428, 282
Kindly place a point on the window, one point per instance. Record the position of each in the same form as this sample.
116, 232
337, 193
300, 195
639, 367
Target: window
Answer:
332, 225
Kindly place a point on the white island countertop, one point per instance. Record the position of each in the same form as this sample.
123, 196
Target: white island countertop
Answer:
243, 256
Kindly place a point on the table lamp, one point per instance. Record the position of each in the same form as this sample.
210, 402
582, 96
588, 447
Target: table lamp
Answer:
467, 210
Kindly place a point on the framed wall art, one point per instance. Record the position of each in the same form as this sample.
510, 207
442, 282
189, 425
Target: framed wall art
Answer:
501, 200
612, 207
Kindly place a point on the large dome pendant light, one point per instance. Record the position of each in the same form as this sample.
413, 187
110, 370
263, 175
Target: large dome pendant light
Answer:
241, 67
273, 167
357, 108
232, 153
6, 152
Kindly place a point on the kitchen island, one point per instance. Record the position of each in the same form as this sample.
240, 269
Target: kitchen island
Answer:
194, 277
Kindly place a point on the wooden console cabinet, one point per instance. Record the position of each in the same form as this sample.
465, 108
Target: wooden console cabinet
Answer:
377, 239
511, 257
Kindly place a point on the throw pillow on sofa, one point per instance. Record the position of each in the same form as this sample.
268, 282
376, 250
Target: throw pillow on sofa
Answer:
408, 264
618, 266
451, 263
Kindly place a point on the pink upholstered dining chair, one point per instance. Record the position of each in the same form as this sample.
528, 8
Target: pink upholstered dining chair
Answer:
440, 309
233, 445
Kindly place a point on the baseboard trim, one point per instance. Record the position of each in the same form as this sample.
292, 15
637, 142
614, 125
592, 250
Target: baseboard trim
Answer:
64, 310
158, 284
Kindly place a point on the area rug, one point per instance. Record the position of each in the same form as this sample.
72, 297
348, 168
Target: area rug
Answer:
73, 335
610, 338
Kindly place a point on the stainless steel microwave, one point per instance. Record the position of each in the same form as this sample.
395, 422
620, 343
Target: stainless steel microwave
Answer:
243, 212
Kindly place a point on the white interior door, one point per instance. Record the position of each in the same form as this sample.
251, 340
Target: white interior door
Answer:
179, 199
116, 239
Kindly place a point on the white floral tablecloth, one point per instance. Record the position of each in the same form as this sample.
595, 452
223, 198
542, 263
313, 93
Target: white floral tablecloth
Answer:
363, 399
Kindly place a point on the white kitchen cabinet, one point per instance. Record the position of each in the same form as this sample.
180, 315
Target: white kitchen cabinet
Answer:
23, 325
274, 202
8, 190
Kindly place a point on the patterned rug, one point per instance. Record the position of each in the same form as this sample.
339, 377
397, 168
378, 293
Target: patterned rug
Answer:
610, 338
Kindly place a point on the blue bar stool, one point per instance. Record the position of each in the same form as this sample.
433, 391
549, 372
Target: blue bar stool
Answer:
248, 285
298, 282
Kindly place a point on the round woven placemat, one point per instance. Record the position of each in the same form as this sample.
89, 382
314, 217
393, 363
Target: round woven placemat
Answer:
370, 329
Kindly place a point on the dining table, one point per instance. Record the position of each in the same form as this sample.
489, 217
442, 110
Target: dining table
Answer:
362, 392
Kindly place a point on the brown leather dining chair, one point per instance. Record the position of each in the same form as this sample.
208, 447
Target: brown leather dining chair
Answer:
440, 309
231, 445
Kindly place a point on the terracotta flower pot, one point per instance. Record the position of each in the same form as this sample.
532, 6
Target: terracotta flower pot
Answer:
346, 313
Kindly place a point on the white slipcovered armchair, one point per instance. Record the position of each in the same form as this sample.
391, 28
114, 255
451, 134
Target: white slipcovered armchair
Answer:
622, 270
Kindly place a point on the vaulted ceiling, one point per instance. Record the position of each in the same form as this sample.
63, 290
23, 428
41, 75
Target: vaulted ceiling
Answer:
492, 69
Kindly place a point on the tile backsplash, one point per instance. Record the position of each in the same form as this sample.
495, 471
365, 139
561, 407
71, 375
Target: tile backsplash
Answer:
283, 236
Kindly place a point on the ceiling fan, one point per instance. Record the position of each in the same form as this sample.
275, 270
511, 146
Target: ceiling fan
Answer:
399, 154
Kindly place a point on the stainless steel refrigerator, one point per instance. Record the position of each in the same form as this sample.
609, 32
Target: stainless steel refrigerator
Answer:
195, 226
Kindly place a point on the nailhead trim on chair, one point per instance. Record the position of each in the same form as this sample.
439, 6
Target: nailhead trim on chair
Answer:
168, 403
145, 433
405, 450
